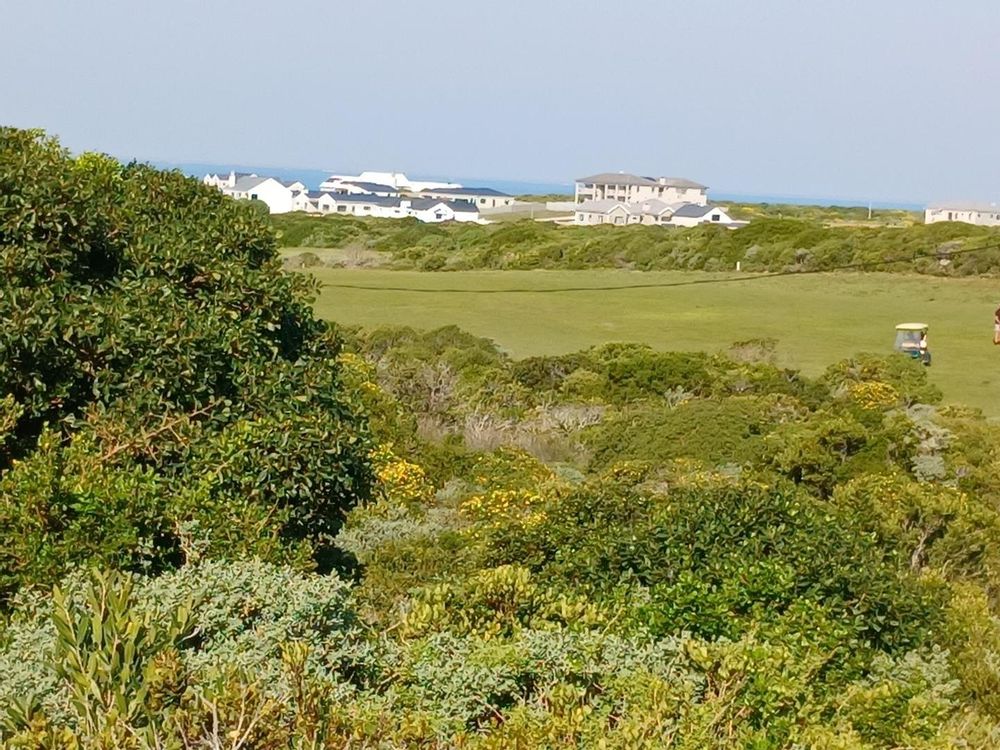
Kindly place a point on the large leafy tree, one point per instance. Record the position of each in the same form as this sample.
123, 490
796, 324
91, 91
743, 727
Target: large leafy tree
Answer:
166, 390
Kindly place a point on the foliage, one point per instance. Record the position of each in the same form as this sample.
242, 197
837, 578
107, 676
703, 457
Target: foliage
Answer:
776, 239
617, 547
167, 390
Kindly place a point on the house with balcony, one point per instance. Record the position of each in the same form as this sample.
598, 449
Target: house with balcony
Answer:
630, 188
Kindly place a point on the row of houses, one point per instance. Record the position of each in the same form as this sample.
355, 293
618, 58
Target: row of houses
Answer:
397, 184
620, 198
384, 207
380, 194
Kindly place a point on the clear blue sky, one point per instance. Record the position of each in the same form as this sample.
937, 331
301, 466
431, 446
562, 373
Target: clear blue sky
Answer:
879, 99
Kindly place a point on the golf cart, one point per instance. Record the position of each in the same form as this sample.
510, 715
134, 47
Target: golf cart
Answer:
909, 340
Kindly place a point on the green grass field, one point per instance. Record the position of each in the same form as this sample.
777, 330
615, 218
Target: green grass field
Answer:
816, 319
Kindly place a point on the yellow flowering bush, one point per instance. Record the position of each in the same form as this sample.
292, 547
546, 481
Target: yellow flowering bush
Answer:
401, 482
872, 395
495, 602
509, 468
502, 508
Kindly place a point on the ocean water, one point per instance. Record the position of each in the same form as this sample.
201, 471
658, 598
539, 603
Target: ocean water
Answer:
313, 177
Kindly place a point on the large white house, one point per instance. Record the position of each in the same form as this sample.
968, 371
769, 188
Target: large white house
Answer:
631, 188
987, 215
395, 180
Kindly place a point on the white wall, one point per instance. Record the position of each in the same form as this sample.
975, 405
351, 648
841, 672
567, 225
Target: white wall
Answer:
277, 197
715, 216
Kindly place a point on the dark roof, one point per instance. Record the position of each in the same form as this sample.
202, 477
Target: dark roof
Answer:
422, 204
372, 187
466, 191
375, 200
693, 211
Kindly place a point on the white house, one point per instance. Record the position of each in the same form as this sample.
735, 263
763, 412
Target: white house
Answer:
276, 195
482, 197
630, 188
987, 215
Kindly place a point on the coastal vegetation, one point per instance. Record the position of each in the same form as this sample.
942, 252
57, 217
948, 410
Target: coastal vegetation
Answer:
766, 244
227, 523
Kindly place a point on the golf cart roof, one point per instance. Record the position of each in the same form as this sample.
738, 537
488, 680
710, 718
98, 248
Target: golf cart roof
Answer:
911, 327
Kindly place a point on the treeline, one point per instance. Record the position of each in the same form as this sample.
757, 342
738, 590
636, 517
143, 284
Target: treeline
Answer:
226, 524
767, 244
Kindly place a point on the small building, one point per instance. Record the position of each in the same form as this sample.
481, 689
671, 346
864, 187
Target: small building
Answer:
986, 215
630, 188
480, 196
691, 215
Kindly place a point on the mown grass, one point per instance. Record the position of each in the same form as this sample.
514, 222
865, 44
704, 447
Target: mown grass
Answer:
816, 319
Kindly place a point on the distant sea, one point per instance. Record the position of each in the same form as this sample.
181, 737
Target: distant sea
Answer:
313, 177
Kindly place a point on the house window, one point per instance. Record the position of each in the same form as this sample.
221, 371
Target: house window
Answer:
715, 217
253, 196
367, 208
482, 200
341, 208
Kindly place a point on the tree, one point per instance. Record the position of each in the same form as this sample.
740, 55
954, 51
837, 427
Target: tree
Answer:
152, 341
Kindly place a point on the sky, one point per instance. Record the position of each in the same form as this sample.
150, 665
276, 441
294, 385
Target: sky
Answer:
862, 99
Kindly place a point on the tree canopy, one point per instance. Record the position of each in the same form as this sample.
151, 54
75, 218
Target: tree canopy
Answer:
166, 390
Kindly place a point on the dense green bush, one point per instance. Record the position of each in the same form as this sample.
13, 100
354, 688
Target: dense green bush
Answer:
168, 390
